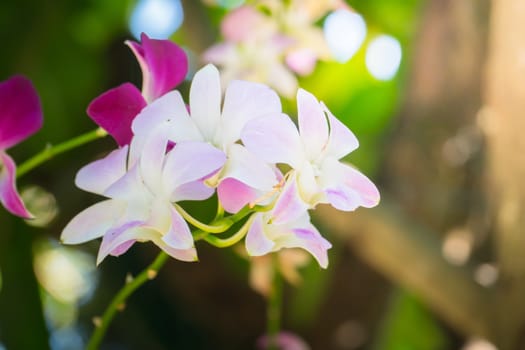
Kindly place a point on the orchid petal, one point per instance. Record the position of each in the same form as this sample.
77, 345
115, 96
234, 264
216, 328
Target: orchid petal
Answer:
115, 110
241, 24
313, 125
244, 101
168, 114
129, 187
307, 184
245, 167
221, 53
164, 65
179, 235
190, 161
20, 111
116, 237
123, 248
302, 61
152, 158
342, 140
310, 240
289, 206
234, 195
205, 100
189, 255
93, 222
9, 195
171, 112
273, 138
196, 190
346, 188
257, 243
97, 176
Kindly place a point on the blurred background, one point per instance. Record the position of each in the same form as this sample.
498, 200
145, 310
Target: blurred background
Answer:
434, 91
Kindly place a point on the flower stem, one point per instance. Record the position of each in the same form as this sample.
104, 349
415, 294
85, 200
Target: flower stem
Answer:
274, 306
102, 324
50, 151
233, 239
219, 227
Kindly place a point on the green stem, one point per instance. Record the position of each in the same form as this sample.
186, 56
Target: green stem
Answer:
51, 151
219, 227
102, 324
220, 211
233, 239
274, 306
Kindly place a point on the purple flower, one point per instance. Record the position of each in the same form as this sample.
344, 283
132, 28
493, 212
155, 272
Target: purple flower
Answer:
20, 117
164, 66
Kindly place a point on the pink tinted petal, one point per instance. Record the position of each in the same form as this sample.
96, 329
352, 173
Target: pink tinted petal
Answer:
20, 111
196, 190
115, 110
113, 240
310, 240
179, 235
93, 222
302, 61
257, 243
190, 161
164, 65
245, 167
121, 249
289, 206
313, 125
189, 255
220, 54
234, 194
342, 140
97, 176
8, 193
274, 139
241, 23
244, 101
285, 341
205, 100
348, 188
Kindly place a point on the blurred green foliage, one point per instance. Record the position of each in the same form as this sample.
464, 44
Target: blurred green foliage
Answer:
409, 326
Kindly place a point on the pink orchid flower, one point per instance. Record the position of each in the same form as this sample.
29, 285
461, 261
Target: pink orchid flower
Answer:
20, 117
141, 195
243, 177
164, 66
314, 153
285, 341
287, 225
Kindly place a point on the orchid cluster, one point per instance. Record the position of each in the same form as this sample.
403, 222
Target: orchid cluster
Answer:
20, 117
270, 41
266, 172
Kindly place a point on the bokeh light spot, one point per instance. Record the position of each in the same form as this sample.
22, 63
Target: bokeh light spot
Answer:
344, 32
383, 57
159, 19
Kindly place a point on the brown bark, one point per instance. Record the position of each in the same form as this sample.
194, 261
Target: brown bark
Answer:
503, 121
